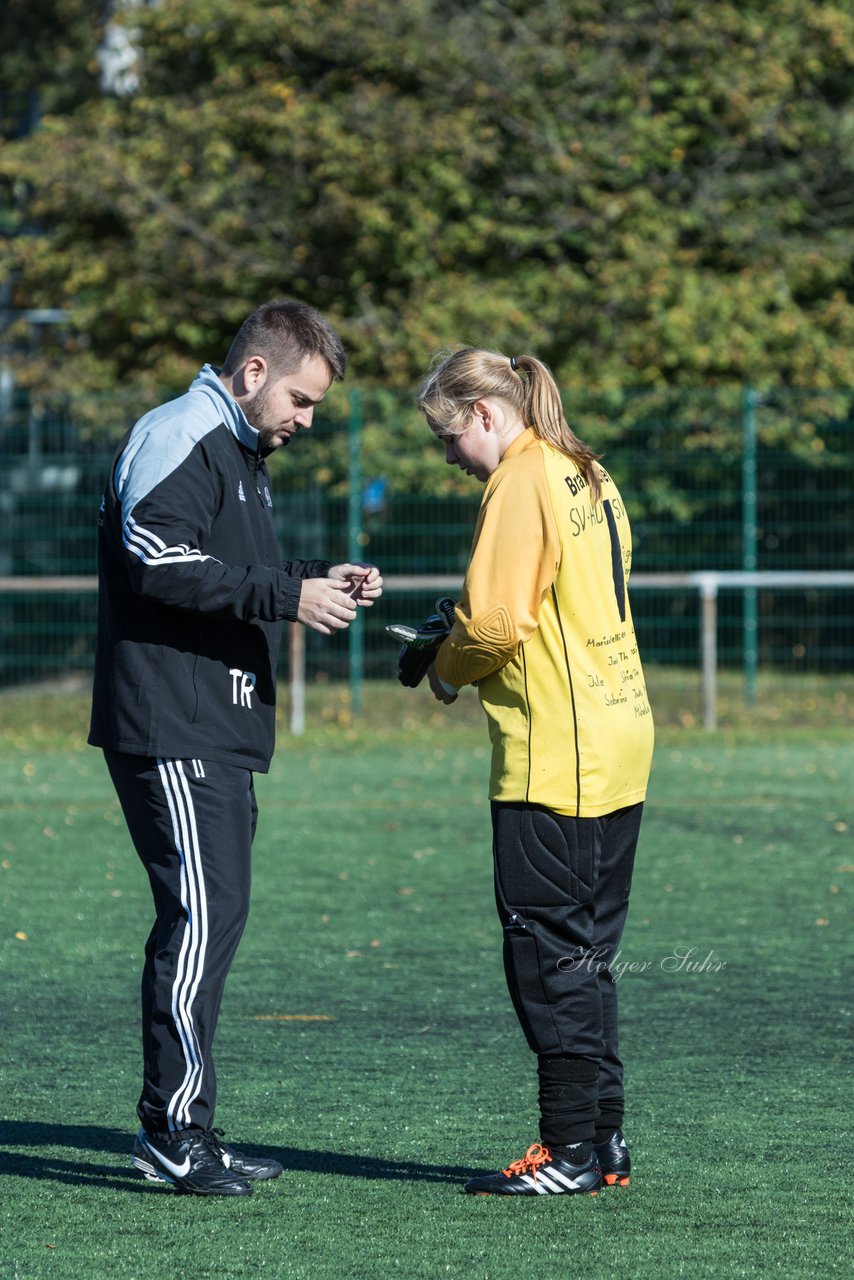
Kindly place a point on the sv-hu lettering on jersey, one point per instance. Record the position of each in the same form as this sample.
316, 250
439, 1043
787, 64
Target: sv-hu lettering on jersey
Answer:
582, 518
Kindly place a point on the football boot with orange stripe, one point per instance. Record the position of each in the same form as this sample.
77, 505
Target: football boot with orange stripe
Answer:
540, 1172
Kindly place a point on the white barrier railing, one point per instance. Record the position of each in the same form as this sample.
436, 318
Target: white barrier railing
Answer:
706, 582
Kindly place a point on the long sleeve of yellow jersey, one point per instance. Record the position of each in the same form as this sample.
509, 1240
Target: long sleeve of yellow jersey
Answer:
514, 558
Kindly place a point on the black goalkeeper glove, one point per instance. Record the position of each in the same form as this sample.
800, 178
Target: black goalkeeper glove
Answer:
421, 644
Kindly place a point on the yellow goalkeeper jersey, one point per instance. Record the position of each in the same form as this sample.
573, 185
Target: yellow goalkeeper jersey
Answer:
544, 629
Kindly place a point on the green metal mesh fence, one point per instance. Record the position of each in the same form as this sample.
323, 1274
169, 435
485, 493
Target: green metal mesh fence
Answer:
720, 478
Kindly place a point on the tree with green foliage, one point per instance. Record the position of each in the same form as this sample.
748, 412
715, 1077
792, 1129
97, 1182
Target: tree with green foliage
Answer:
647, 193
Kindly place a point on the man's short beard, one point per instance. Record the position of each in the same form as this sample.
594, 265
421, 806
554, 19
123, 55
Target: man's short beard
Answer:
255, 412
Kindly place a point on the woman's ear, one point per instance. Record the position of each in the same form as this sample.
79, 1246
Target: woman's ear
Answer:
483, 410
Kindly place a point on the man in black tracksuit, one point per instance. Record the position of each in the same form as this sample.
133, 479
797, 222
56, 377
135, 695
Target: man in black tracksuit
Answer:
192, 596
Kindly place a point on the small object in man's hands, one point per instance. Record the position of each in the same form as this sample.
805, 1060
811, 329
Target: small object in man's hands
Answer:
421, 645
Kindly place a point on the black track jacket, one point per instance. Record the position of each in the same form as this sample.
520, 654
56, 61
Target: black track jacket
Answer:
192, 588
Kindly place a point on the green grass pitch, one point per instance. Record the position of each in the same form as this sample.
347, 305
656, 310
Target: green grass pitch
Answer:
366, 1036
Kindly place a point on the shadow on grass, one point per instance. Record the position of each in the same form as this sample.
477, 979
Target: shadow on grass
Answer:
22, 1163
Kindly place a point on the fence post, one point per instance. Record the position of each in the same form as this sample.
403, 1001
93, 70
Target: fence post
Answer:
296, 664
749, 532
709, 648
356, 634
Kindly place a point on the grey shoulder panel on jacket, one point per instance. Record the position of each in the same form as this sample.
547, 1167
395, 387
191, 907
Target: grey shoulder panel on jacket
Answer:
161, 442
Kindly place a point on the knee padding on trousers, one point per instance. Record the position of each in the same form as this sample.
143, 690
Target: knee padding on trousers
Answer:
522, 966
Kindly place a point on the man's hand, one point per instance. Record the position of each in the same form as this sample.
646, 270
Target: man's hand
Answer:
364, 583
325, 605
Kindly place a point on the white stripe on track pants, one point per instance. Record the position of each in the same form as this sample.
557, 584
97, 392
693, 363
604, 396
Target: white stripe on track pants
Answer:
192, 823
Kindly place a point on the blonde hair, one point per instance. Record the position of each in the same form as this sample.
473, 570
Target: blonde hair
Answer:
447, 394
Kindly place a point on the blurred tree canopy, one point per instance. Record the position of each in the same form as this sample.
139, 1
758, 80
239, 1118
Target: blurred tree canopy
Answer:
646, 193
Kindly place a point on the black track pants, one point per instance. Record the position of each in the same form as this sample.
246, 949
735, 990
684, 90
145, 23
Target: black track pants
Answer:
562, 888
192, 823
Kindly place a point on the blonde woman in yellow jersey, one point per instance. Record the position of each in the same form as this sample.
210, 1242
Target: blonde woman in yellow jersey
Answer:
544, 630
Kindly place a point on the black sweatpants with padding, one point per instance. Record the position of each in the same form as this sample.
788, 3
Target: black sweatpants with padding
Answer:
192, 823
562, 889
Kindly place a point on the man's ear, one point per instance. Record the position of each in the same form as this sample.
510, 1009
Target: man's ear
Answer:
252, 376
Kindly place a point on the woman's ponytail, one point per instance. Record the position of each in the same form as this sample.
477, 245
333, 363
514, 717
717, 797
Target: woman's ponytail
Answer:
543, 412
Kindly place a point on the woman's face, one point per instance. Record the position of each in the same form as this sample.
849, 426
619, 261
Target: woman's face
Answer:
470, 452
480, 446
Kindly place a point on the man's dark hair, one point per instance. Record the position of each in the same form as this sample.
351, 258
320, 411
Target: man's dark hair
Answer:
285, 333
